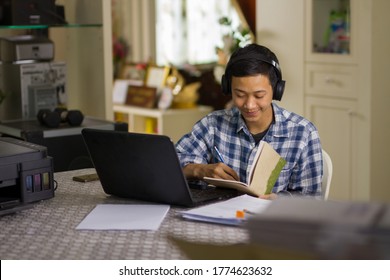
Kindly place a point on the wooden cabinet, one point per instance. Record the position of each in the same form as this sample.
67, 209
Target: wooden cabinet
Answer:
337, 126
345, 93
340, 98
331, 97
171, 122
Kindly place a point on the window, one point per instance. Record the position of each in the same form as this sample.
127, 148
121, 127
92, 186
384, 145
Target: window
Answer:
188, 31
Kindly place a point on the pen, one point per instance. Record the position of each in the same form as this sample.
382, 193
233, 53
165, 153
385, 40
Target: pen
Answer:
219, 155
249, 212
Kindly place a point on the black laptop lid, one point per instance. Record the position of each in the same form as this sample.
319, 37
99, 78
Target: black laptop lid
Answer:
138, 166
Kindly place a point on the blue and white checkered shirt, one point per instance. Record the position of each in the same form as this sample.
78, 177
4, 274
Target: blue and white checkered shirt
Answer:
292, 136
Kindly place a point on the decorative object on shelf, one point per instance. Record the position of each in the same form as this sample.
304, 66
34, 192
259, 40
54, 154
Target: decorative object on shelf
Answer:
60, 116
187, 97
133, 71
119, 92
151, 125
184, 95
120, 49
165, 99
175, 81
156, 76
336, 39
141, 96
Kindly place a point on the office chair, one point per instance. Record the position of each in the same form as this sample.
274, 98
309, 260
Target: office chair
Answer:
327, 177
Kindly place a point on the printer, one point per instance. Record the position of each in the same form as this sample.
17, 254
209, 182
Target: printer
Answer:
26, 174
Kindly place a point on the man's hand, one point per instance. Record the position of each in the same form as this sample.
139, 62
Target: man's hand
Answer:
215, 170
270, 196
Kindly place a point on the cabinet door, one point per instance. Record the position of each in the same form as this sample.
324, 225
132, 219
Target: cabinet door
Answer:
331, 31
336, 124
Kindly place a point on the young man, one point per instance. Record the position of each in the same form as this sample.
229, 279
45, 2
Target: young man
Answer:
224, 143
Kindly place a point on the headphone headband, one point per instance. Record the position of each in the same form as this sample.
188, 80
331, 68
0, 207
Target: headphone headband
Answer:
258, 57
280, 84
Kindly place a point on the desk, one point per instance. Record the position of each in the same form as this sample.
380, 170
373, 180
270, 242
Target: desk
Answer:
47, 231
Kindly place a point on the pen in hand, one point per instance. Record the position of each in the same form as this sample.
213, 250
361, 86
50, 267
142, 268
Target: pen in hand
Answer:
219, 155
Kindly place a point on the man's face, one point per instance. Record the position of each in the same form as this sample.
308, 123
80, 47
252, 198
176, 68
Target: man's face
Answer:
252, 95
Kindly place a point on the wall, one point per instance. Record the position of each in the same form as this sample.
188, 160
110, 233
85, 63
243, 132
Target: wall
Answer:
87, 52
381, 100
274, 27
135, 19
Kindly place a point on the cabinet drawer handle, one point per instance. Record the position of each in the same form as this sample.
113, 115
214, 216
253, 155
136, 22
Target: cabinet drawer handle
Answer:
330, 80
333, 81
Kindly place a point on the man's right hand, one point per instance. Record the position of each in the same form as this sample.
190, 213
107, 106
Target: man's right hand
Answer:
214, 170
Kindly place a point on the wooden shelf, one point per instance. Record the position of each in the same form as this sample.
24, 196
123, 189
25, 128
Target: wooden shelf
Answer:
171, 122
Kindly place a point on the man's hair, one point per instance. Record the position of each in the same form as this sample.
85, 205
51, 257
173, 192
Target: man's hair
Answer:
252, 64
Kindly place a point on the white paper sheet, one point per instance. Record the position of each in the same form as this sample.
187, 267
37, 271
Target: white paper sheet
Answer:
125, 217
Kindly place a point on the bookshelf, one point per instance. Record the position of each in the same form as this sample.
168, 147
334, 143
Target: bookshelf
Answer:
171, 122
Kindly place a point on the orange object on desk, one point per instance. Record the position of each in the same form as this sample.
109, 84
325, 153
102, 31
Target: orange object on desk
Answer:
240, 214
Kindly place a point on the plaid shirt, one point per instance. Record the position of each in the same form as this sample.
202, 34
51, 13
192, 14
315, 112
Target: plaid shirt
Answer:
292, 136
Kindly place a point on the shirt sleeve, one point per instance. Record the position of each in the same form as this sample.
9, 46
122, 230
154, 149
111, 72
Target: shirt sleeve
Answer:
306, 178
194, 146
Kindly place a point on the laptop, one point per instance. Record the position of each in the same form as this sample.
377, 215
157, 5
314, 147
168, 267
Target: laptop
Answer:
144, 167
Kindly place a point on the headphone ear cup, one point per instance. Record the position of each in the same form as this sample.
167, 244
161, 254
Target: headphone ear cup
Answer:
279, 89
225, 85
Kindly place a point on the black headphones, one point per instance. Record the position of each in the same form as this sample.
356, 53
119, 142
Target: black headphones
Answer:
226, 78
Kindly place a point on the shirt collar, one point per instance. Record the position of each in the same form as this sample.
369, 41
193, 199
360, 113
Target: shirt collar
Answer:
277, 129
241, 125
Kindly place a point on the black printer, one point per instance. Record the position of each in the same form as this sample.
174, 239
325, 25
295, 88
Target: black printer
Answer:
26, 174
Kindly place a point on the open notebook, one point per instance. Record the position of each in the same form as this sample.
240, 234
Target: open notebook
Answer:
263, 174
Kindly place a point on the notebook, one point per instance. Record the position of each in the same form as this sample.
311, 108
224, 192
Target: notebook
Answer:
143, 167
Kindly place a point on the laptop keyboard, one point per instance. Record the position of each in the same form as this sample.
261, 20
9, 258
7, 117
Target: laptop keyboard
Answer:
212, 193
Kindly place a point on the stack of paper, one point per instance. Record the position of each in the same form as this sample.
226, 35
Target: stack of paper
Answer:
225, 212
329, 229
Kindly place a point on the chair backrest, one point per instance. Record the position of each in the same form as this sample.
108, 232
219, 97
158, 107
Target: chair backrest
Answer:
327, 177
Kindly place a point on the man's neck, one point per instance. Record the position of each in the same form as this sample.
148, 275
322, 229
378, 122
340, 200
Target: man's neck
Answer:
263, 124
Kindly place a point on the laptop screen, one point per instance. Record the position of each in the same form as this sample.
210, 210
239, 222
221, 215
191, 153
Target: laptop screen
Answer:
138, 166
